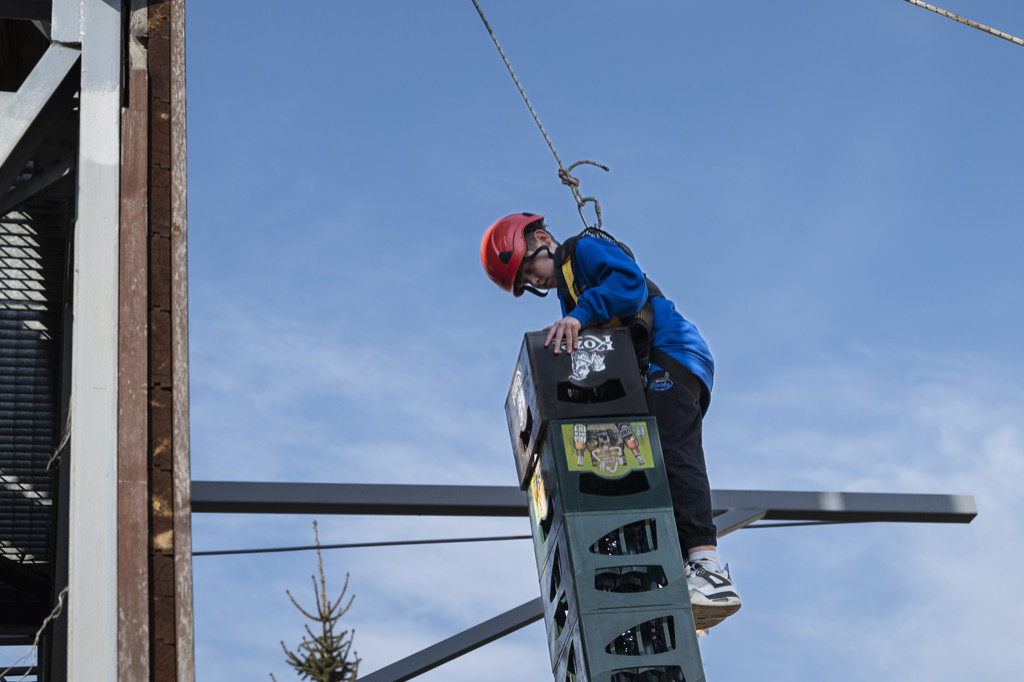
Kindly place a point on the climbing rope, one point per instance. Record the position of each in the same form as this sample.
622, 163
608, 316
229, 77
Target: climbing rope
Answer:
35, 643
564, 174
968, 22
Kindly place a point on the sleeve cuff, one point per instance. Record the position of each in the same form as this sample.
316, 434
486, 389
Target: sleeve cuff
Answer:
582, 316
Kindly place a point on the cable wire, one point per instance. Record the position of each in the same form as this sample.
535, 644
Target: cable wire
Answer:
516, 81
393, 543
31, 670
790, 524
968, 22
564, 174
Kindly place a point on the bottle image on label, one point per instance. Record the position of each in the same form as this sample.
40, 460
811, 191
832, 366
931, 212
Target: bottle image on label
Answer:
592, 446
579, 441
629, 438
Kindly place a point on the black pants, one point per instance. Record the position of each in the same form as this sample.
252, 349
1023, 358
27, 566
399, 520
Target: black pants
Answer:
674, 401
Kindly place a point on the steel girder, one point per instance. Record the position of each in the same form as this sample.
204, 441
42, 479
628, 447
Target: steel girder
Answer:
92, 602
45, 133
733, 508
457, 645
229, 497
30, 113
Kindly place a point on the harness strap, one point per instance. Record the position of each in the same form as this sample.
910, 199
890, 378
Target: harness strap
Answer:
639, 324
575, 289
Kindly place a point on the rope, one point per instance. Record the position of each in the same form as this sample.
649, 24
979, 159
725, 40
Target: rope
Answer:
359, 544
564, 174
802, 523
39, 633
63, 441
968, 22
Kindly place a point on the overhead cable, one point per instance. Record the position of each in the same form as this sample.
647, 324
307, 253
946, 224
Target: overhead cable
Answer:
790, 524
973, 24
564, 174
394, 543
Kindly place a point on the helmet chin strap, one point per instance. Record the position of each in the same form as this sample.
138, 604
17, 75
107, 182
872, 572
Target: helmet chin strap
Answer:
533, 290
529, 287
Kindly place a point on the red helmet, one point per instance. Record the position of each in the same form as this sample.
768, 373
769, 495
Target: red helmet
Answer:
503, 248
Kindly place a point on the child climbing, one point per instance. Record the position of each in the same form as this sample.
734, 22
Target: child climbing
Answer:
599, 284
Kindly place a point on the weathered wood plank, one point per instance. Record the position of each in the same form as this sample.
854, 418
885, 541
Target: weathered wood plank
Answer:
185, 647
165, 437
133, 398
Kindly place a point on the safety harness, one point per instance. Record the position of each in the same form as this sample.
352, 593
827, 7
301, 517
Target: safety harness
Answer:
639, 324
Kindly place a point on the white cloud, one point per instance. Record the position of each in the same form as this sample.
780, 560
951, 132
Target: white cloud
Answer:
884, 601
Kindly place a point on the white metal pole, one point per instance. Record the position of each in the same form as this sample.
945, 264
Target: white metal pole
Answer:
92, 551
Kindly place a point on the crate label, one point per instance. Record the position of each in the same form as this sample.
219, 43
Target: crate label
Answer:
609, 449
538, 497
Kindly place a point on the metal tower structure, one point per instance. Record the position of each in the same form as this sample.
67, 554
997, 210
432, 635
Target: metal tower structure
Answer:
94, 513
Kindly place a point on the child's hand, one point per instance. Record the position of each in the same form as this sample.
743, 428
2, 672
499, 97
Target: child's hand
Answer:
569, 328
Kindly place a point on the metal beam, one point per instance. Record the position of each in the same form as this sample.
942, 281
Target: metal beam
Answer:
22, 672
92, 551
238, 497
462, 643
30, 114
230, 497
735, 519
25, 9
40, 182
67, 21
849, 507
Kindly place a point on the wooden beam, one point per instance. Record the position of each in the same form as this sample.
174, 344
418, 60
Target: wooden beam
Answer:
133, 396
161, 414
171, 637
185, 648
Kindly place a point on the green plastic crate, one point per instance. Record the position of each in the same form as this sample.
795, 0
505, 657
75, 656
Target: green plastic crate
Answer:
561, 485
561, 606
625, 559
605, 464
611, 561
631, 645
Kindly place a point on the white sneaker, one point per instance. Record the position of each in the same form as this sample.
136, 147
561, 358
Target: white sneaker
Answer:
713, 597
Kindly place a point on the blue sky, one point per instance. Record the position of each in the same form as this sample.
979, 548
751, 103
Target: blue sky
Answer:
830, 190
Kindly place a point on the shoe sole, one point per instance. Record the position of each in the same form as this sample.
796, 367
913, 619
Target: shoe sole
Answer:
708, 615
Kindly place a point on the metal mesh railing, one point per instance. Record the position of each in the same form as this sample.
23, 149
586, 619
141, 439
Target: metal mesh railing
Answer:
31, 293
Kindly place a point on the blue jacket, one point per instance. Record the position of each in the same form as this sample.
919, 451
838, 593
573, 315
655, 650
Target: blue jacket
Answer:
613, 285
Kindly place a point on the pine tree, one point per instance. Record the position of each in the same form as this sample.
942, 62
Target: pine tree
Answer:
324, 657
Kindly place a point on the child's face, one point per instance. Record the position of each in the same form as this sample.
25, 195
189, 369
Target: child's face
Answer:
538, 271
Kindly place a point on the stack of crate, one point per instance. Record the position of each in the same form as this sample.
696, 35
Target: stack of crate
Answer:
611, 573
